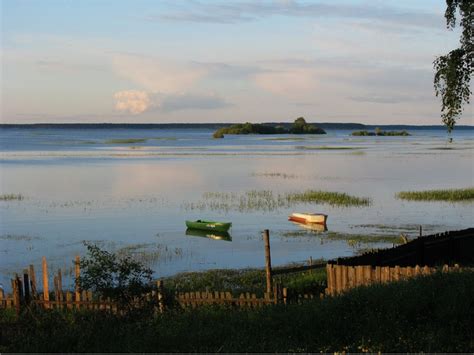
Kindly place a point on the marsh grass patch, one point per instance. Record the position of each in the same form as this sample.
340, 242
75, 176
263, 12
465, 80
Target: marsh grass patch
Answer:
325, 147
354, 240
19, 237
267, 201
448, 195
126, 140
276, 175
11, 197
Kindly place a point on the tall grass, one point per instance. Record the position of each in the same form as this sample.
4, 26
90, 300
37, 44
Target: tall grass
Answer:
450, 195
244, 280
266, 200
351, 238
328, 197
433, 313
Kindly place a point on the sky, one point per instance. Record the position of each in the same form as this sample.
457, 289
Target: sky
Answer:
151, 61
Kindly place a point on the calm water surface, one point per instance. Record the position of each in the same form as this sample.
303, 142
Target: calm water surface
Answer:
134, 198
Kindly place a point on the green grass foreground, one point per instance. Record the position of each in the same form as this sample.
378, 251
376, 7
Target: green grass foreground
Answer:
451, 195
245, 280
426, 314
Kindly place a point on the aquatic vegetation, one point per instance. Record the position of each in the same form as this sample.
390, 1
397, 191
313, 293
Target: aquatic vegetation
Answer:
328, 197
11, 197
450, 195
149, 253
364, 238
285, 139
266, 200
165, 138
276, 175
379, 132
324, 147
353, 239
26, 238
126, 140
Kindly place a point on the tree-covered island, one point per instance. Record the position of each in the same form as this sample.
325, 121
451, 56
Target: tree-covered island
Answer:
298, 127
379, 132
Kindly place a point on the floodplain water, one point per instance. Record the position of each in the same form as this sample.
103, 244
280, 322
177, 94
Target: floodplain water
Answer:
131, 190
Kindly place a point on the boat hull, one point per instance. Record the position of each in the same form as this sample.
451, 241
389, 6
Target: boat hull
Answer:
317, 218
209, 225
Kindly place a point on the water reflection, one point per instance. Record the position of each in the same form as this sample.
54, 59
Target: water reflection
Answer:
211, 235
314, 227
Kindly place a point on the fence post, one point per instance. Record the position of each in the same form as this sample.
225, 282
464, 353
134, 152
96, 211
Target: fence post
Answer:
160, 295
310, 263
60, 285
16, 294
45, 283
77, 272
268, 261
26, 285
32, 275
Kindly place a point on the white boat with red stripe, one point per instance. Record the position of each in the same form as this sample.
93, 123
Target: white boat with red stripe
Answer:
318, 218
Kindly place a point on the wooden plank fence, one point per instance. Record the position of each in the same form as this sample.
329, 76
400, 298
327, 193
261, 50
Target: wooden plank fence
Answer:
341, 278
25, 293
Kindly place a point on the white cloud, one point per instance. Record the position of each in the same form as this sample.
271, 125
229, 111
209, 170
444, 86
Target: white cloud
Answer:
132, 101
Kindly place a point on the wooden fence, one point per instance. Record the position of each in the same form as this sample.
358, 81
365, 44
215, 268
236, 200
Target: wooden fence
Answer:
25, 293
341, 278
455, 247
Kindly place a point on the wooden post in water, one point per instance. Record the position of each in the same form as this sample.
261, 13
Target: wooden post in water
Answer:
421, 231
268, 261
77, 272
45, 283
310, 263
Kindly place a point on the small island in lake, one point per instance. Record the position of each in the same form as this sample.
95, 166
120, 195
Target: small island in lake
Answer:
298, 127
379, 132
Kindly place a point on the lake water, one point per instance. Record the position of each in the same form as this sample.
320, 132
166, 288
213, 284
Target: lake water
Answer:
81, 185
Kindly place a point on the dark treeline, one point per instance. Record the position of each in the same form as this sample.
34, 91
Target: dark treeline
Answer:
213, 126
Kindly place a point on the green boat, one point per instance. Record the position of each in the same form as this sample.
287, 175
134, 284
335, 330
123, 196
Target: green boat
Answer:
209, 225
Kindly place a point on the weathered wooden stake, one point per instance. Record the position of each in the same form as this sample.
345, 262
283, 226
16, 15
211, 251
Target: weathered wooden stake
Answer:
421, 231
60, 285
161, 304
268, 261
26, 285
310, 263
45, 283
77, 270
31, 271
16, 295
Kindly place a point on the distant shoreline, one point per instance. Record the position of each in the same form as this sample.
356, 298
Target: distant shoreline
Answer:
213, 126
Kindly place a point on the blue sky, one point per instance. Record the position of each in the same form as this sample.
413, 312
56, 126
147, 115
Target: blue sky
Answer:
222, 61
